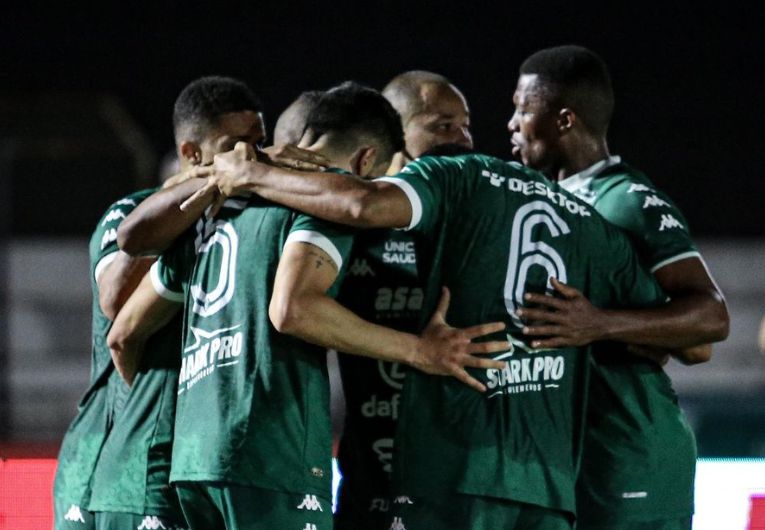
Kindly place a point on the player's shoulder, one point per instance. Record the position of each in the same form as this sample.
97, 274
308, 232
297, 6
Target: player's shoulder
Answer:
105, 231
624, 178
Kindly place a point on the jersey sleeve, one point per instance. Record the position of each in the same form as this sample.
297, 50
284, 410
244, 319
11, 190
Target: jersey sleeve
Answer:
103, 246
334, 239
170, 273
427, 184
653, 221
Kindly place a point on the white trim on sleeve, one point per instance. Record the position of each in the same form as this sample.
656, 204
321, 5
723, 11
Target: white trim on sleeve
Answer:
103, 263
690, 254
160, 288
316, 239
411, 194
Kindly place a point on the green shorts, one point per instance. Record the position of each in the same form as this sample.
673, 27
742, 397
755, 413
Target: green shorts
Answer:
214, 505
131, 521
683, 523
67, 516
471, 512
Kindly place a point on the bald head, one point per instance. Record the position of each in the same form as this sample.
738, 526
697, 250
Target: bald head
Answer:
291, 123
433, 111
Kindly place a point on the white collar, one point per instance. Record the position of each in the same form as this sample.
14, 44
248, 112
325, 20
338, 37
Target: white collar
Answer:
583, 178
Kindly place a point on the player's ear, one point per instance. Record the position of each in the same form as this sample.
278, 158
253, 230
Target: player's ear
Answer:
191, 153
566, 120
363, 161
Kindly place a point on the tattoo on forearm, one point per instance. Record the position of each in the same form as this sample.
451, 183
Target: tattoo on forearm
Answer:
320, 259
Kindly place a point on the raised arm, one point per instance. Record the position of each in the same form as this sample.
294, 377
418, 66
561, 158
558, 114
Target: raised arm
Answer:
334, 197
144, 313
301, 307
155, 223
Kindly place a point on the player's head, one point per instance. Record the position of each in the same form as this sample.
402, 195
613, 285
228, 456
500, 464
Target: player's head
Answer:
563, 97
291, 123
433, 111
213, 113
356, 128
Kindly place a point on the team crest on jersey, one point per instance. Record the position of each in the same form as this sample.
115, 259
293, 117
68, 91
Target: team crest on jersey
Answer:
74, 514
151, 522
311, 503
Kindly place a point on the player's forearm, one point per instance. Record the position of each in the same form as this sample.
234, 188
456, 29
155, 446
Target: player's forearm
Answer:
321, 320
126, 351
686, 321
155, 223
117, 282
343, 199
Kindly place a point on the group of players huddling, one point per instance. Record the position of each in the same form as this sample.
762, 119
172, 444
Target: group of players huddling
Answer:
505, 323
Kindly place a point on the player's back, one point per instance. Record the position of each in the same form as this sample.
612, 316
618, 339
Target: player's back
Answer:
252, 403
495, 231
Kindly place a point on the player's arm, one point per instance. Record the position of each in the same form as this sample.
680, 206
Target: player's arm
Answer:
301, 307
155, 223
695, 315
143, 314
118, 279
338, 198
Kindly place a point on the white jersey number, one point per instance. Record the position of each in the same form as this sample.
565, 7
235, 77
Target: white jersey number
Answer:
210, 233
525, 253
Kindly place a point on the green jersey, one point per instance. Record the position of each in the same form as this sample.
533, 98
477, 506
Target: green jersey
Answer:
84, 438
639, 454
253, 404
494, 231
381, 286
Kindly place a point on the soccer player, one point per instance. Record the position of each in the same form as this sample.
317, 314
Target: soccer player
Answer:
253, 436
639, 452
290, 125
492, 232
433, 112
115, 458
382, 286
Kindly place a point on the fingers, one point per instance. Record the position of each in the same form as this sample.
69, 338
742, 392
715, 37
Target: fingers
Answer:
482, 363
539, 315
555, 342
439, 315
482, 329
562, 288
296, 158
470, 381
537, 331
202, 197
489, 347
545, 300
245, 151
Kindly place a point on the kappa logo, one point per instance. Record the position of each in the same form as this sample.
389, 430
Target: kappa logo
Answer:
310, 526
127, 202
654, 200
402, 499
113, 215
638, 187
151, 522
310, 502
109, 236
74, 514
668, 222
397, 524
360, 267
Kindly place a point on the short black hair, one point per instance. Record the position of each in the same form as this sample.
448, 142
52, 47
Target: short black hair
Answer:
578, 78
350, 112
203, 101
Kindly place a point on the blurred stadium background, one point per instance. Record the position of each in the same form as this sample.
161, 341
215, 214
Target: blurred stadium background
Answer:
85, 104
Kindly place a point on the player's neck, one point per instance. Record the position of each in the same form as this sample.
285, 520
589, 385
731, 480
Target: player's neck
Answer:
580, 155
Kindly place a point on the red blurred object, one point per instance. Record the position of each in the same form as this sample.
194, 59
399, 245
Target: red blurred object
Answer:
756, 512
26, 493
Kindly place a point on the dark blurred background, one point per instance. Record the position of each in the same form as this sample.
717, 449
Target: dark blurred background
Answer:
85, 104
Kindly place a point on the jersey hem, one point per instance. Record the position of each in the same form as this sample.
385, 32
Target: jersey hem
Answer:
668, 261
